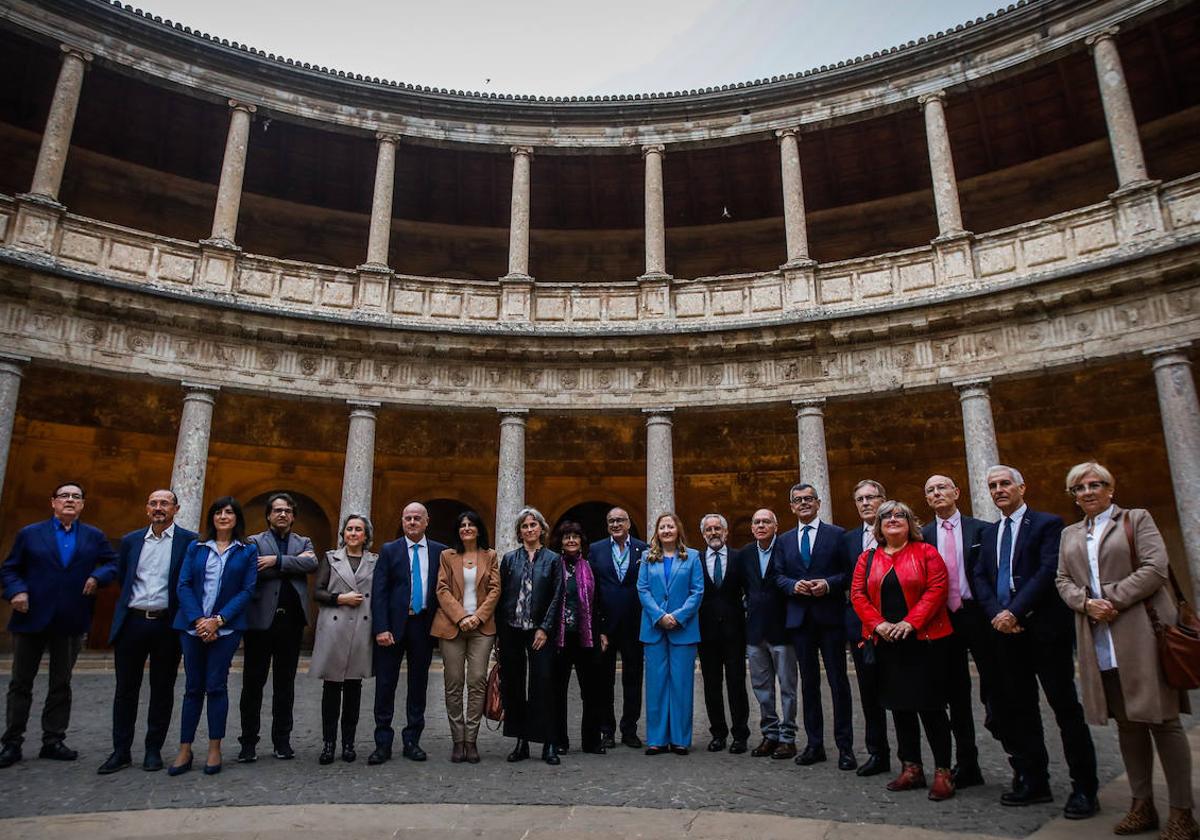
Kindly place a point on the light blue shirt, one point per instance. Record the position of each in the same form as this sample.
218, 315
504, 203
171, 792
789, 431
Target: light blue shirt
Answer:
214, 568
764, 556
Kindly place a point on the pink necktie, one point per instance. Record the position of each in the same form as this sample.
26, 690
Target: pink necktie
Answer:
950, 555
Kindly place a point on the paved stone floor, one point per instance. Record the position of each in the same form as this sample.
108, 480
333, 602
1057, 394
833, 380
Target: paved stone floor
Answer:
701, 783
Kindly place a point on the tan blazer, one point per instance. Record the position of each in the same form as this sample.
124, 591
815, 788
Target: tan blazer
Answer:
1126, 582
450, 594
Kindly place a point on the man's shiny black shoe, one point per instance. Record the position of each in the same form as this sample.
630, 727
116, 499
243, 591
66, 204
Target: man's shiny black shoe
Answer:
677, 750
520, 751
1023, 795
608, 741
716, 745
630, 739
57, 751
738, 746
599, 749
379, 755
1080, 806
284, 752
114, 763
966, 776
846, 760
348, 753
550, 755
152, 761
10, 755
874, 765
247, 754
810, 755
413, 752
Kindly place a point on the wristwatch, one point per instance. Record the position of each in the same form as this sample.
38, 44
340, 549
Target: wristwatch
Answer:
220, 620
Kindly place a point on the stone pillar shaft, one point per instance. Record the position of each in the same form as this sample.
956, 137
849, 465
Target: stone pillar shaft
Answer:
656, 247
381, 202
941, 165
1180, 411
191, 453
660, 465
518, 228
794, 223
358, 475
510, 477
979, 436
56, 139
11, 370
233, 169
1118, 109
814, 462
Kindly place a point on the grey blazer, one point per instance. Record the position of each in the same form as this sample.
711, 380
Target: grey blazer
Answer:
291, 569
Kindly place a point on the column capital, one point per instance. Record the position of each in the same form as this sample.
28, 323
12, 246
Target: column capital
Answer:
83, 55
793, 131
387, 137
970, 387
1169, 355
1108, 33
363, 407
812, 405
14, 362
925, 98
238, 105
508, 415
653, 149
516, 151
658, 415
200, 391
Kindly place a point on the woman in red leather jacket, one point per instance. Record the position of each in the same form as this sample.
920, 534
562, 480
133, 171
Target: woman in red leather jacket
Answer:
899, 591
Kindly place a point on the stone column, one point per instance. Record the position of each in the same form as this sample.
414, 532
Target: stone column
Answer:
814, 463
56, 139
979, 435
941, 165
233, 168
381, 203
11, 370
660, 465
1118, 109
191, 452
656, 247
510, 476
1181, 428
359, 472
518, 227
794, 223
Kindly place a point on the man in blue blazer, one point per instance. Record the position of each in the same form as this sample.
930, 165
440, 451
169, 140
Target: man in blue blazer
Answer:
405, 591
1035, 639
615, 562
50, 578
148, 574
813, 577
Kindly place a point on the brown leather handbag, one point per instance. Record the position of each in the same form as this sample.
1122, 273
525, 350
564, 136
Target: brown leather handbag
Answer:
1179, 643
493, 702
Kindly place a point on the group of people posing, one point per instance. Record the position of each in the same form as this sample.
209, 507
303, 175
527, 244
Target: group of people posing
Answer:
912, 605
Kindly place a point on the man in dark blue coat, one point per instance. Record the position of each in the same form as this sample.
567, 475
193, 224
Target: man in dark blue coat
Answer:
50, 578
148, 574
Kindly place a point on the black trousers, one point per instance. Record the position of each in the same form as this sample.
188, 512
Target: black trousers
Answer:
908, 735
415, 643
723, 659
586, 664
829, 642
340, 700
27, 658
875, 735
626, 643
1027, 659
140, 639
526, 684
972, 637
274, 651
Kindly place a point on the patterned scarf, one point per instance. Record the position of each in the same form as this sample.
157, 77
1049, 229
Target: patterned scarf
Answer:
586, 585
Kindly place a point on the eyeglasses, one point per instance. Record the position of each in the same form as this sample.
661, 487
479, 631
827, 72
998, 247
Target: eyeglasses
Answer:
617, 520
871, 498
277, 511
804, 500
894, 514
1090, 487
75, 497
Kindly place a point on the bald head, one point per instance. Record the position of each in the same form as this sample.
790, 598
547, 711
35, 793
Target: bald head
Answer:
763, 526
414, 520
941, 494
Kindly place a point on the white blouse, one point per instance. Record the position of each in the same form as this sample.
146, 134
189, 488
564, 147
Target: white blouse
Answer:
470, 602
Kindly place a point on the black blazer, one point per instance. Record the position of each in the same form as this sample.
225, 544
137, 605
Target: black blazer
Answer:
547, 589
828, 563
1035, 601
618, 598
722, 610
128, 555
972, 530
391, 584
765, 604
851, 547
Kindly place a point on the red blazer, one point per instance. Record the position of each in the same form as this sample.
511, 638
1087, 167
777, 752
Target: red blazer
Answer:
922, 575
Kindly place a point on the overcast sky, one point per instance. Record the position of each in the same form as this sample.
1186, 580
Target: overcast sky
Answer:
571, 47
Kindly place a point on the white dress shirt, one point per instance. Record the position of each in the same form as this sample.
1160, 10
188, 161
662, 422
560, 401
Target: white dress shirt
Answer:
812, 533
868, 537
1016, 517
1106, 653
423, 562
152, 578
710, 560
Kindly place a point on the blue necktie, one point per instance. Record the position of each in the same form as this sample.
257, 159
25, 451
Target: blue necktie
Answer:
1004, 575
718, 571
418, 593
806, 547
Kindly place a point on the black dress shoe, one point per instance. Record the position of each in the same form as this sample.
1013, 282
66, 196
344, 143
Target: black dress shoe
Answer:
846, 760
965, 776
564, 748
810, 755
115, 762
874, 765
1023, 795
248, 754
328, 753
1080, 806
599, 749
716, 745
679, 750
608, 741
520, 751
738, 746
57, 751
348, 753
212, 769
550, 755
379, 755
10, 755
284, 752
630, 739
413, 752
152, 761
657, 750
180, 769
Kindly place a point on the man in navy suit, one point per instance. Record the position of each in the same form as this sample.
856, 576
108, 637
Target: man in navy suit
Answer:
50, 578
615, 562
957, 539
148, 574
1035, 639
812, 576
723, 640
405, 591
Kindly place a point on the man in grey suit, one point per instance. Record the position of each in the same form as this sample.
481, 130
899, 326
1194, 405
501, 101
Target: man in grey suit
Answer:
275, 623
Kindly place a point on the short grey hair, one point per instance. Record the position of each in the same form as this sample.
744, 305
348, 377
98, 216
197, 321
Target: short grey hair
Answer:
878, 487
1077, 472
716, 516
1013, 471
366, 521
537, 515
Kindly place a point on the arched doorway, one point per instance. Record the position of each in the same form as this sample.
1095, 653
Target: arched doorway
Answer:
443, 518
593, 517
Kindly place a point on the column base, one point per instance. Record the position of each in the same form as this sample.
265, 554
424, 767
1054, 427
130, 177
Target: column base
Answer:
516, 297
218, 265
799, 284
374, 280
654, 295
955, 262
1139, 210
36, 224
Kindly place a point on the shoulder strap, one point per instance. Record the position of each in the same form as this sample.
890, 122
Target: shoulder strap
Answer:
870, 559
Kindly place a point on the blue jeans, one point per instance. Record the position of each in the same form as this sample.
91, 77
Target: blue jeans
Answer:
206, 674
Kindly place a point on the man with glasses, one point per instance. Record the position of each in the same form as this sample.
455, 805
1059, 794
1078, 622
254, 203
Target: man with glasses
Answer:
50, 578
868, 496
813, 577
275, 623
615, 562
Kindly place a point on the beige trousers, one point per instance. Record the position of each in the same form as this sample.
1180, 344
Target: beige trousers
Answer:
465, 662
1136, 751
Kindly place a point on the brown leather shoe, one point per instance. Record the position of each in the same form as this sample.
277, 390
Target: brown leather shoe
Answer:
784, 751
912, 776
470, 753
943, 785
767, 747
1142, 816
457, 754
1181, 825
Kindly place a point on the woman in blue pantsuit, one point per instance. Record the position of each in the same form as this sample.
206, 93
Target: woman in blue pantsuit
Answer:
670, 587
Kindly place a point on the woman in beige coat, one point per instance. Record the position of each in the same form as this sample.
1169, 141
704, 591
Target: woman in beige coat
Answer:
342, 649
1108, 588
468, 588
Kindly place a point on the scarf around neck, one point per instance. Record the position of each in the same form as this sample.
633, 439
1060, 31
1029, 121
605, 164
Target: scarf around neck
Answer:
586, 585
